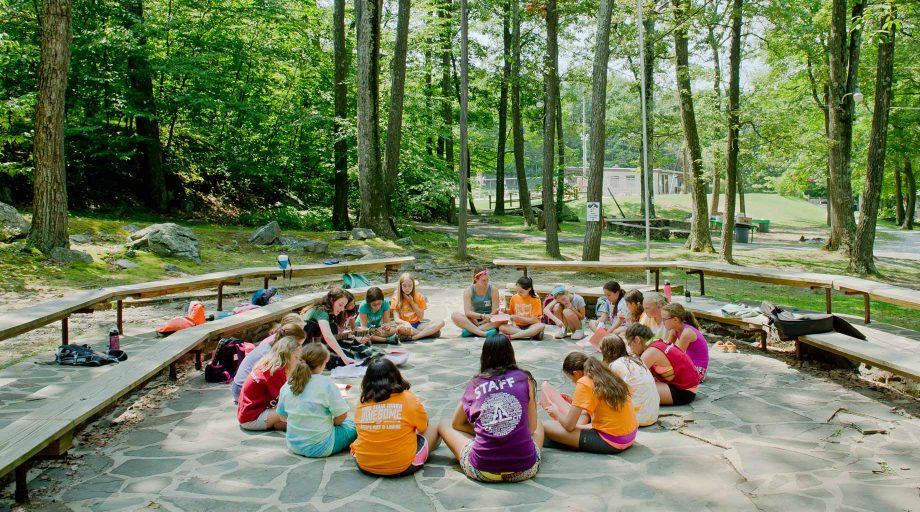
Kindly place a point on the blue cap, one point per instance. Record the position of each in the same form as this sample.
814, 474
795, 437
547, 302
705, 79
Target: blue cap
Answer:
557, 290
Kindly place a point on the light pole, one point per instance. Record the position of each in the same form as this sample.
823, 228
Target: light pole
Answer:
644, 160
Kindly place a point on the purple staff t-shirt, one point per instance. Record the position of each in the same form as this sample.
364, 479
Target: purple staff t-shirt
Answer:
498, 409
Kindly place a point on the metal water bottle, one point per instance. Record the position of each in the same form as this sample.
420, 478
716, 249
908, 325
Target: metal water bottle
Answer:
687, 295
114, 340
667, 290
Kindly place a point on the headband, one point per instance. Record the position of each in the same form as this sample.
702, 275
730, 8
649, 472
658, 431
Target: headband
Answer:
480, 274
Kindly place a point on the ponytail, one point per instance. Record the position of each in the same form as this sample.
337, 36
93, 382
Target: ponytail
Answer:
280, 355
311, 357
527, 284
676, 310
608, 386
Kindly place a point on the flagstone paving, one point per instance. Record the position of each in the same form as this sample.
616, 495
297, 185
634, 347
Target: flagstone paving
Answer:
761, 436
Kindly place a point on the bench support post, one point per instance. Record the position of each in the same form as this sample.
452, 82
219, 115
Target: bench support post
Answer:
22, 483
702, 281
65, 330
220, 297
524, 270
197, 359
866, 304
386, 272
119, 317
657, 272
173, 375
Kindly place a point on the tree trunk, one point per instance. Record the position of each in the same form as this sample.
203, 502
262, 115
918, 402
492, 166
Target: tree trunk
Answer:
843, 65
517, 126
464, 140
685, 169
861, 256
340, 220
700, 239
560, 170
447, 109
739, 180
592, 246
140, 79
49, 217
731, 152
397, 89
375, 208
715, 45
503, 111
550, 87
898, 197
911, 196
716, 182
469, 185
648, 164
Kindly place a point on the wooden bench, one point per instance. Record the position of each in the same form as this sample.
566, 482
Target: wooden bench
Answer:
23, 320
709, 309
590, 266
870, 351
48, 430
873, 290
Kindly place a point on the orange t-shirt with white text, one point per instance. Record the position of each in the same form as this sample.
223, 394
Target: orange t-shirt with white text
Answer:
386, 442
528, 307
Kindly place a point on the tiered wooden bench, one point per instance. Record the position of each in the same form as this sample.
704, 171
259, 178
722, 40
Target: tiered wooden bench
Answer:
876, 350
603, 267
873, 290
48, 431
709, 309
26, 319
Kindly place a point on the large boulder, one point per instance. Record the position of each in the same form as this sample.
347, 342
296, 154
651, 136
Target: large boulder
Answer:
340, 235
267, 234
167, 240
12, 225
304, 244
66, 256
363, 234
363, 252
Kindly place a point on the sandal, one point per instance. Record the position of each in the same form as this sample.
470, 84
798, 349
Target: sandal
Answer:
719, 346
730, 347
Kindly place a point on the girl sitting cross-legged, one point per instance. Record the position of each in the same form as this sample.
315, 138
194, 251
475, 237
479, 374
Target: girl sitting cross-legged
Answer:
480, 303
677, 377
410, 306
495, 433
374, 317
601, 418
566, 310
525, 309
316, 413
256, 409
634, 373
394, 437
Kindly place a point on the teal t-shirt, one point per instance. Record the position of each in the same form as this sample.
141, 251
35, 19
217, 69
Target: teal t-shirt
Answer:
373, 319
310, 414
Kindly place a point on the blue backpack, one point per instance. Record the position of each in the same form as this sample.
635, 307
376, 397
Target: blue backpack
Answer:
354, 281
264, 296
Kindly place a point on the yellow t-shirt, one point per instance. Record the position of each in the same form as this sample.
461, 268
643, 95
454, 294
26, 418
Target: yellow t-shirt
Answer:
529, 307
616, 422
386, 442
658, 330
406, 313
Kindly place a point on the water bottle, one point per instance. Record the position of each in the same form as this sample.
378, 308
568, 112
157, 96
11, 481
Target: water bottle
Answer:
114, 340
687, 295
667, 290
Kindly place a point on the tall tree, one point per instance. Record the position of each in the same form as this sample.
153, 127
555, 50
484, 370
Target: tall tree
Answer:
843, 66
911, 195
464, 135
714, 40
700, 239
517, 125
551, 95
861, 255
648, 164
447, 108
731, 152
898, 197
560, 138
397, 89
146, 121
591, 250
49, 217
503, 110
375, 207
340, 220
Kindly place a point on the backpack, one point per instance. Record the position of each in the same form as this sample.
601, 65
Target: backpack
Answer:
354, 281
225, 361
264, 297
790, 326
81, 355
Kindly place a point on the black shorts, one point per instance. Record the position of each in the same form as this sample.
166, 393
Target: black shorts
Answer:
592, 442
681, 396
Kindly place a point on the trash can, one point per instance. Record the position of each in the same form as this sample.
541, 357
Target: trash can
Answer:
743, 233
763, 225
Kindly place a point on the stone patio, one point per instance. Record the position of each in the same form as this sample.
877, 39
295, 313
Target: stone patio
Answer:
761, 436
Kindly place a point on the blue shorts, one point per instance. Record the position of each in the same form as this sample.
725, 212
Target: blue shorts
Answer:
415, 324
341, 438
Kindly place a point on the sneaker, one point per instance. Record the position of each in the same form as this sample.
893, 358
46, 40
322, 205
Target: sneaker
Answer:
577, 335
559, 334
393, 340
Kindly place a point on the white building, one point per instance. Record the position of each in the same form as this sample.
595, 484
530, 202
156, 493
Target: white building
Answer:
623, 181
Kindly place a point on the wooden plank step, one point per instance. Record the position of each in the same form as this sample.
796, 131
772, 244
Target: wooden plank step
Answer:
906, 364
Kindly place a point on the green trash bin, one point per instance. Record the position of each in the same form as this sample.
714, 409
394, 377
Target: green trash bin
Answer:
763, 225
743, 233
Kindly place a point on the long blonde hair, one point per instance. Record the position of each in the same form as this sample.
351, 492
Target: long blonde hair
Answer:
608, 386
290, 318
312, 356
280, 356
406, 276
613, 347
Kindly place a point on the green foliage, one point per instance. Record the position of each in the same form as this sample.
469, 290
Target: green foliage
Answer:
288, 217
